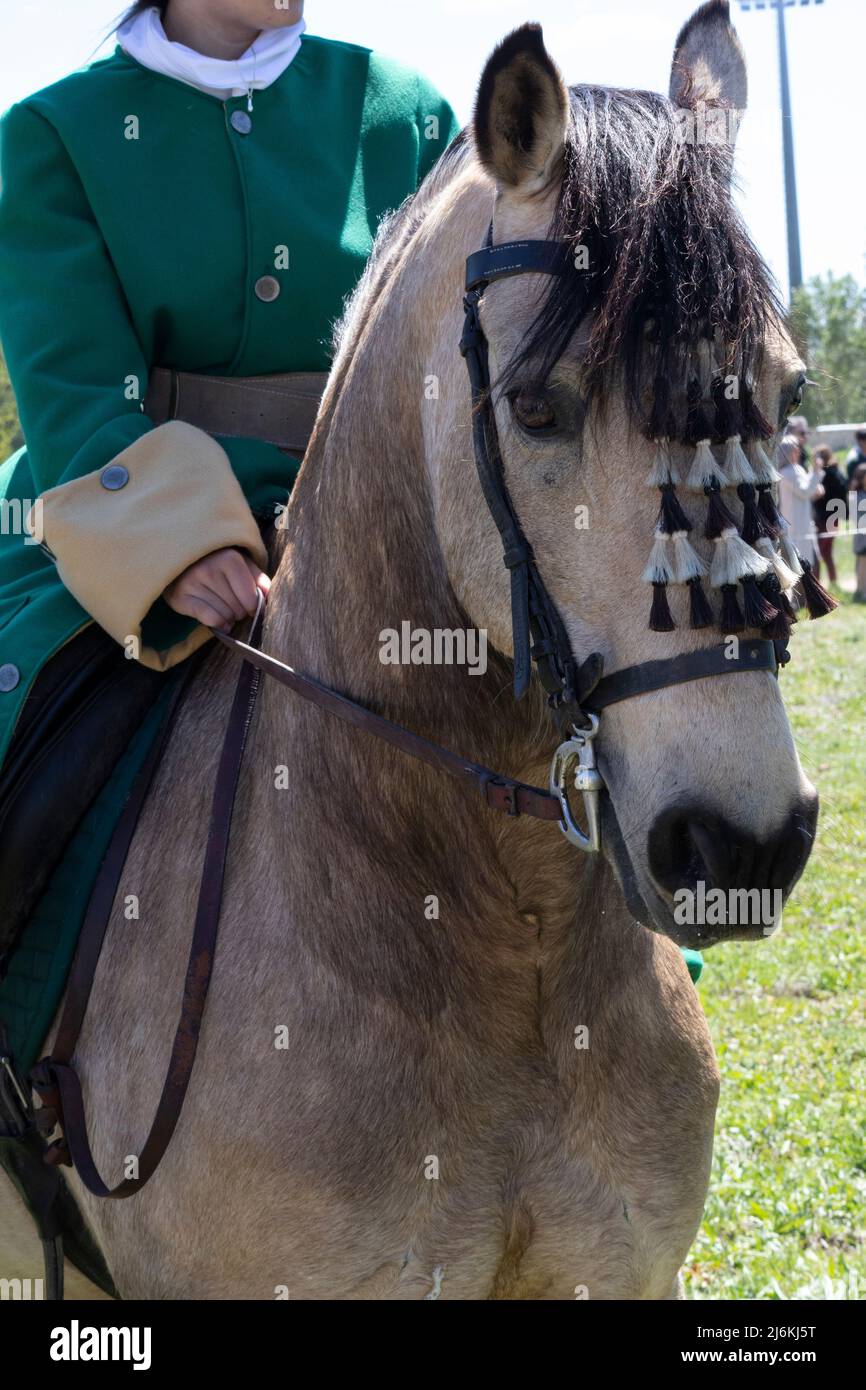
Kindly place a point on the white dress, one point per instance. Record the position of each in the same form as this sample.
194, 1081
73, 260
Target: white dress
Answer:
798, 489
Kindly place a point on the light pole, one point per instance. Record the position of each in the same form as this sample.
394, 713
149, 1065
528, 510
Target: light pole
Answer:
795, 264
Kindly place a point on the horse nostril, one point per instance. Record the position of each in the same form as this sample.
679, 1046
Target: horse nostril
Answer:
692, 845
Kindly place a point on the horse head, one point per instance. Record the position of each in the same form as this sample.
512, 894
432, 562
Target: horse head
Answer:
636, 396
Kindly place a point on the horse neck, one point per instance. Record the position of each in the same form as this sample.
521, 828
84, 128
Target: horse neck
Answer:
360, 554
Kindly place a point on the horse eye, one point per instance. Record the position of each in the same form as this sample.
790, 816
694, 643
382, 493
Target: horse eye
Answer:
792, 401
533, 410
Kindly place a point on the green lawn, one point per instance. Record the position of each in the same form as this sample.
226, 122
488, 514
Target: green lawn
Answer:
786, 1214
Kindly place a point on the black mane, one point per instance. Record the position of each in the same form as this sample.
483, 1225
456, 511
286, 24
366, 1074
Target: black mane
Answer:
666, 247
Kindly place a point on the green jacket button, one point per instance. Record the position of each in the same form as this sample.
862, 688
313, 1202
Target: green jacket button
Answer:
241, 122
114, 477
9, 677
267, 288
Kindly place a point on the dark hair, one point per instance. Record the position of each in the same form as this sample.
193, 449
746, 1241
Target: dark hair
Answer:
670, 260
139, 7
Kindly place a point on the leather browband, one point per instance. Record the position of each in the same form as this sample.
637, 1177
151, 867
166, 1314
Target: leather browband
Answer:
515, 258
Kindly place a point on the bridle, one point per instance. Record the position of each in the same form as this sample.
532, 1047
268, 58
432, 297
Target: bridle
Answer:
577, 693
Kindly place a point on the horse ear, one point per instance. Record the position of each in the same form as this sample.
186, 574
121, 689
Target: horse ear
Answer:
521, 112
709, 65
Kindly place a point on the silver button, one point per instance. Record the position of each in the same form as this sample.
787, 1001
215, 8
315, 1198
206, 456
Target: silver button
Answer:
267, 288
241, 122
9, 677
114, 477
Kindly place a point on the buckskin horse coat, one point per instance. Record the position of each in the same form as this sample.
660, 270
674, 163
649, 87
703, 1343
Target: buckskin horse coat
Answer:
136, 221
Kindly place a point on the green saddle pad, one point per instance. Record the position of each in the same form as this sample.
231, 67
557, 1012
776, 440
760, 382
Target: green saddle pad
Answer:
34, 983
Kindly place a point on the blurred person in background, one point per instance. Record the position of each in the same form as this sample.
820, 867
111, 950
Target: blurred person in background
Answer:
799, 487
858, 485
857, 454
835, 487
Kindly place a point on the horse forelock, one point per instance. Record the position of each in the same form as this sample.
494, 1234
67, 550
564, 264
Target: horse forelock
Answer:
665, 247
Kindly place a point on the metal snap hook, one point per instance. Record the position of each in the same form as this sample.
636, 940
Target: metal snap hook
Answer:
587, 780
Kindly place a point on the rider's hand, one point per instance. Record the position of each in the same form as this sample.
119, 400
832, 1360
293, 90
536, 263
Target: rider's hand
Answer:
219, 590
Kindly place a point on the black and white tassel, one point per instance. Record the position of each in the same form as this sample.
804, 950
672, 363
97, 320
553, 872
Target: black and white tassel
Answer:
736, 562
766, 474
663, 471
689, 569
783, 572
671, 517
719, 518
659, 573
704, 473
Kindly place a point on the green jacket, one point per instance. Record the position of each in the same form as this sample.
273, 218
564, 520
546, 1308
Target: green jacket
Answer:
135, 220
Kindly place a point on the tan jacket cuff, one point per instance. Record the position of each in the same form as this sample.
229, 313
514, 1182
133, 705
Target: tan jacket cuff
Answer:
122, 534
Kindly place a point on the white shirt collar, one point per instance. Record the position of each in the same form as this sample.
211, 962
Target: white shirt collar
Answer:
144, 39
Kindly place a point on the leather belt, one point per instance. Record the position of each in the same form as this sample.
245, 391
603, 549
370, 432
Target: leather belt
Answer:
279, 409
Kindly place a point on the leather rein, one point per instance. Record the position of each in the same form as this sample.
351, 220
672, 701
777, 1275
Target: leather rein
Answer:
577, 694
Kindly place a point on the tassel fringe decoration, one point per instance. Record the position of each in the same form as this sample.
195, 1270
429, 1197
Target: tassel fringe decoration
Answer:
700, 612
755, 566
699, 422
687, 563
719, 519
778, 629
755, 525
757, 610
663, 471
768, 509
671, 517
727, 410
733, 560
737, 467
732, 619
660, 613
766, 474
704, 472
784, 574
818, 601
658, 570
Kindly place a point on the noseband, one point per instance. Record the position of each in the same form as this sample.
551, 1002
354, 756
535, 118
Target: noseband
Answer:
576, 692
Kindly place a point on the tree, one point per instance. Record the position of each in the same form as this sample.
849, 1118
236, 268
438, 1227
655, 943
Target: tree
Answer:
828, 314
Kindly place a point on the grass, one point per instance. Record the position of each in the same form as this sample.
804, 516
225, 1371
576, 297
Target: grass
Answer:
786, 1213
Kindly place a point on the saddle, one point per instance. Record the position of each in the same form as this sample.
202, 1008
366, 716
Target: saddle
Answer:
71, 733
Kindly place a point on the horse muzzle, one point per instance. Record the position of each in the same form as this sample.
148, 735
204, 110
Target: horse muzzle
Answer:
721, 883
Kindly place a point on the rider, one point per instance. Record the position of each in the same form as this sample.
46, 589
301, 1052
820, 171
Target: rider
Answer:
202, 200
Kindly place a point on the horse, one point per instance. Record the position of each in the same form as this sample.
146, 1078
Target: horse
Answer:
444, 1054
